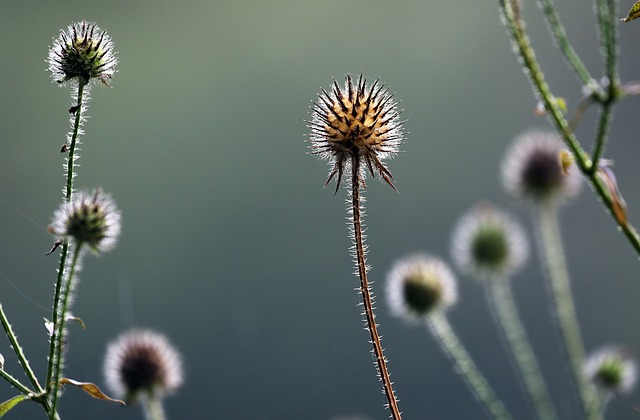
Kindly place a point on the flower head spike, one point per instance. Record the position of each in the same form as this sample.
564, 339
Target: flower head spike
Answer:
84, 52
356, 121
419, 285
91, 218
612, 370
488, 243
532, 168
142, 362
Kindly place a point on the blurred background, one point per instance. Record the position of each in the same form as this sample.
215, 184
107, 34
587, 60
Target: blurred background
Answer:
230, 245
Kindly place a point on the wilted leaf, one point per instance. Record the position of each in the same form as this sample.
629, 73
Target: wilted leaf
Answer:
9, 404
76, 319
91, 389
619, 205
634, 13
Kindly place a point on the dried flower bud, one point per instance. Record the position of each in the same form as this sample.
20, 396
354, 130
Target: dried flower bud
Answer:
84, 52
142, 362
612, 370
488, 243
532, 169
356, 121
92, 219
419, 285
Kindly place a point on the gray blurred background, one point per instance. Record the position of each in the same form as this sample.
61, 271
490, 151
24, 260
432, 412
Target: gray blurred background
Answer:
231, 246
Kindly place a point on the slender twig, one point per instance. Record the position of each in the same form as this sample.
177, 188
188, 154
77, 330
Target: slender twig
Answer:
66, 303
541, 88
381, 361
440, 327
13, 339
560, 36
77, 122
554, 259
16, 383
501, 299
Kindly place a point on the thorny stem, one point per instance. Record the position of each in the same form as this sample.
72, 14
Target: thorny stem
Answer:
554, 259
381, 361
60, 326
501, 298
541, 88
440, 327
77, 122
560, 36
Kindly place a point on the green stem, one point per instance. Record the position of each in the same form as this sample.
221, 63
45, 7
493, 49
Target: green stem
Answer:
381, 361
77, 122
601, 134
443, 332
16, 383
501, 298
560, 35
606, 11
153, 409
553, 255
60, 327
541, 88
13, 339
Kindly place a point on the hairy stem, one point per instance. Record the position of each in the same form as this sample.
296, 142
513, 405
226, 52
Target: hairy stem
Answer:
68, 195
541, 88
501, 298
440, 327
554, 259
381, 361
60, 328
153, 409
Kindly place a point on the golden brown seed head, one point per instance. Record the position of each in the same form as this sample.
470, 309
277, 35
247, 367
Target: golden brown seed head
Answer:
356, 121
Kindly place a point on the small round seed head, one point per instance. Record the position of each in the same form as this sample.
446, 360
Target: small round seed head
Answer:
142, 362
84, 52
90, 219
611, 370
532, 169
488, 243
419, 285
356, 121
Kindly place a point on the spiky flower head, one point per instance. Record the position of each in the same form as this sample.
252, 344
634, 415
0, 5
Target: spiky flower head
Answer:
356, 121
611, 370
420, 285
489, 243
532, 168
84, 52
91, 219
142, 362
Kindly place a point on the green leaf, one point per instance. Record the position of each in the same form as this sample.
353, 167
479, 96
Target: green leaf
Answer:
634, 13
9, 404
91, 389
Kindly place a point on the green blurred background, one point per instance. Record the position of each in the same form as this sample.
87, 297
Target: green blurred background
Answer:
231, 246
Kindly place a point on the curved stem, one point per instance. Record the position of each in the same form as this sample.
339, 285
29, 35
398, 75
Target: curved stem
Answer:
541, 88
554, 259
60, 327
76, 123
440, 327
501, 298
381, 361
560, 35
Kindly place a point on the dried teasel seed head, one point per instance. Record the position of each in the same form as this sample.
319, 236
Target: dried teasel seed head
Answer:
356, 121
84, 52
420, 285
142, 362
488, 243
89, 219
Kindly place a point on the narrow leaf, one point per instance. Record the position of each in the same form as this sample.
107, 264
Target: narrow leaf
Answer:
91, 389
634, 13
9, 404
76, 319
